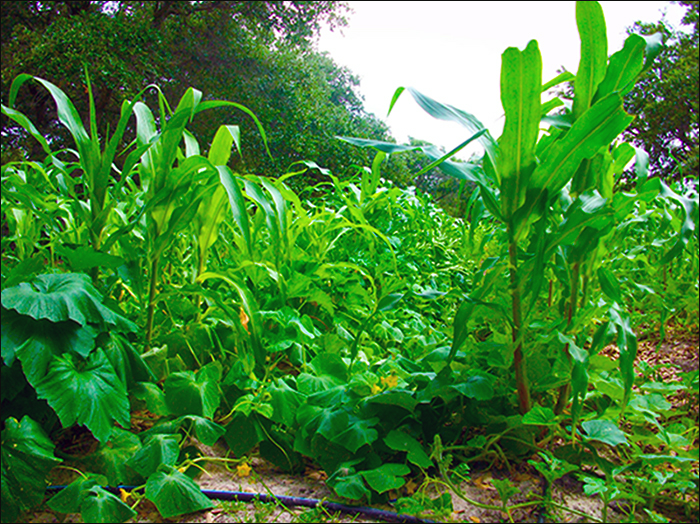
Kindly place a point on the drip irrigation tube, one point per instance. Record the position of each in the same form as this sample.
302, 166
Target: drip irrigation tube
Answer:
387, 516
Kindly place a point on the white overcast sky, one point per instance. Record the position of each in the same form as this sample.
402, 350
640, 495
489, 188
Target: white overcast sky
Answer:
451, 51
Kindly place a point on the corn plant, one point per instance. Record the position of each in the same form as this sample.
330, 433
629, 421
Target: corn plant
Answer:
551, 189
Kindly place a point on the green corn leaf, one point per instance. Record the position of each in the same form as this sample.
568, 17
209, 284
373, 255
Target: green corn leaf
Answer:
521, 86
224, 139
238, 205
594, 55
27, 124
85, 392
27, 458
599, 126
174, 493
256, 194
211, 104
281, 210
624, 68
385, 147
610, 285
627, 344
654, 46
451, 113
210, 214
565, 76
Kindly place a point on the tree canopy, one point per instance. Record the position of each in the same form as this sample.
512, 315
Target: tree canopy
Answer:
259, 54
666, 100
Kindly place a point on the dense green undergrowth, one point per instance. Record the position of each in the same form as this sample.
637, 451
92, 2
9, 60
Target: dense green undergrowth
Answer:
354, 324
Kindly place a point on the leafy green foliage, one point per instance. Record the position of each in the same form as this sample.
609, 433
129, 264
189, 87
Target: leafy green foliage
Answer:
27, 456
351, 322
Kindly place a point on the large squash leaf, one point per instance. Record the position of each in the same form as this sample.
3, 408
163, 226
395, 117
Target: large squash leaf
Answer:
86, 392
189, 393
174, 493
63, 296
27, 457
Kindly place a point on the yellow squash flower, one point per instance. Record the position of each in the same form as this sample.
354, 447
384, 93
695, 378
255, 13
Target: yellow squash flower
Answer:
243, 470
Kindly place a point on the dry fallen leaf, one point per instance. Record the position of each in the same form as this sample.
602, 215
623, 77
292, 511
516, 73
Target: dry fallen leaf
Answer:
481, 482
474, 519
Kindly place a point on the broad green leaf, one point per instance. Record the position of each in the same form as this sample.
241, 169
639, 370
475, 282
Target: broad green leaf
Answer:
35, 342
386, 477
206, 431
68, 500
27, 124
385, 147
157, 449
85, 257
27, 458
238, 205
400, 441
450, 113
224, 139
603, 431
540, 416
395, 397
243, 433
153, 396
85, 392
476, 387
594, 54
285, 401
358, 433
610, 285
350, 486
174, 493
624, 67
190, 393
521, 83
597, 128
63, 296
505, 489
389, 302
100, 506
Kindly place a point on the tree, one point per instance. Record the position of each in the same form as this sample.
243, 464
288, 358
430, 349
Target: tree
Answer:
256, 53
666, 101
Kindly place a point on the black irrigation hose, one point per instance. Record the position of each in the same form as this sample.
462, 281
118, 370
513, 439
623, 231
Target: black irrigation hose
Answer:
387, 516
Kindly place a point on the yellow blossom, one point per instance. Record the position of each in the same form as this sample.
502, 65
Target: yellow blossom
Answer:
124, 494
375, 389
390, 381
243, 469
